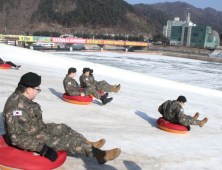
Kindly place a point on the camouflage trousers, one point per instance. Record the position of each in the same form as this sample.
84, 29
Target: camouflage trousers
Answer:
188, 120
62, 137
91, 91
103, 86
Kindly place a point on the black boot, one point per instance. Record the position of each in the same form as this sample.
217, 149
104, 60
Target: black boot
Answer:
105, 96
107, 100
17, 67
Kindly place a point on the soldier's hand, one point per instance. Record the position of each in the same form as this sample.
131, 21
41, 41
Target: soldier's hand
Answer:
49, 153
82, 94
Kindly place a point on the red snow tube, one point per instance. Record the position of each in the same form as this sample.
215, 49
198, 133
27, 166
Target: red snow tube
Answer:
11, 158
100, 92
170, 127
5, 66
77, 99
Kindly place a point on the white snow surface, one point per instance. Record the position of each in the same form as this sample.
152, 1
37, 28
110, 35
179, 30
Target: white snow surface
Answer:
129, 121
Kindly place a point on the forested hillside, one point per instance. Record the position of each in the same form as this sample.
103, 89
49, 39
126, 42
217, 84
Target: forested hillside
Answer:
98, 17
157, 17
87, 12
73, 16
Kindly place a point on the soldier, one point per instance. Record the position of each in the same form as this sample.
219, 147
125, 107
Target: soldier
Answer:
71, 87
10, 63
172, 111
87, 80
26, 130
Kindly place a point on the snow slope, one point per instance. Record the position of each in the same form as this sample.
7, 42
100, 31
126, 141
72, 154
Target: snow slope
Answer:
129, 121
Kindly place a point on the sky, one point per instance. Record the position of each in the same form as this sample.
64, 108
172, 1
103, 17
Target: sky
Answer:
215, 4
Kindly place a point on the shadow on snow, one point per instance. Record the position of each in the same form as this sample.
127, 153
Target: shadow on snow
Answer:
149, 119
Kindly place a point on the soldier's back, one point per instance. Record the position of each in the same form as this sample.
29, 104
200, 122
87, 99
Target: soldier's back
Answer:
171, 110
81, 80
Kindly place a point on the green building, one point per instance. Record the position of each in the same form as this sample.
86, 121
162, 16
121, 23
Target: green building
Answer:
192, 35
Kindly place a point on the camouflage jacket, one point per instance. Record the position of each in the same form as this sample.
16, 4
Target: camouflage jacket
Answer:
23, 122
1, 61
172, 111
87, 81
71, 86
93, 81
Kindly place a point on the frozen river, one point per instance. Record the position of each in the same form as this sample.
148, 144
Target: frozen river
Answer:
194, 72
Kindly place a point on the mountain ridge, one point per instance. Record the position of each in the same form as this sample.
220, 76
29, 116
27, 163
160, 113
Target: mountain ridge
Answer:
98, 17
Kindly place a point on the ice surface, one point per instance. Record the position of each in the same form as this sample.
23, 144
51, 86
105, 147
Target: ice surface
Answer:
199, 73
129, 121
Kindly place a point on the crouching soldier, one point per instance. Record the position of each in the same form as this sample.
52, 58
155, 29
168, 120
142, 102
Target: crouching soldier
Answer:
173, 112
87, 80
25, 128
71, 87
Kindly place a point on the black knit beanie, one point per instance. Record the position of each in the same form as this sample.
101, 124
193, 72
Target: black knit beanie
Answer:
182, 99
30, 80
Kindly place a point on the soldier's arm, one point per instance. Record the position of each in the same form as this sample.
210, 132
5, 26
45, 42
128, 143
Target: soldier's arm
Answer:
94, 81
162, 107
181, 117
87, 82
72, 89
20, 132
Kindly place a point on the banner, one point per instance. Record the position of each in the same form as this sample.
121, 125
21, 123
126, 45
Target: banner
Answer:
68, 40
111, 42
42, 39
136, 43
93, 41
21, 38
73, 40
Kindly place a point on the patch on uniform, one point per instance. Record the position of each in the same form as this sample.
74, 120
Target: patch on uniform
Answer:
86, 78
69, 83
17, 113
181, 110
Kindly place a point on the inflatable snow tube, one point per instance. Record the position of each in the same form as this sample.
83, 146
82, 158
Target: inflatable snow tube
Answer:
13, 158
5, 66
100, 92
170, 127
77, 99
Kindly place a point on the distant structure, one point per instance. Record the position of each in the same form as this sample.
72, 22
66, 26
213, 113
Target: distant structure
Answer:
66, 35
188, 34
170, 23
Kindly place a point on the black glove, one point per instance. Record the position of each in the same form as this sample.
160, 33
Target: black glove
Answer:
49, 153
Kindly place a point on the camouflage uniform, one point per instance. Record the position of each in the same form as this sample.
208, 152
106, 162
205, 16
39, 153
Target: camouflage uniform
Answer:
1, 61
87, 81
25, 129
71, 87
173, 112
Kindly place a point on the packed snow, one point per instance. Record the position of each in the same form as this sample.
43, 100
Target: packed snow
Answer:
129, 121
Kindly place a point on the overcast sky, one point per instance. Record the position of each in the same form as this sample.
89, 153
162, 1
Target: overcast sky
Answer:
216, 4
